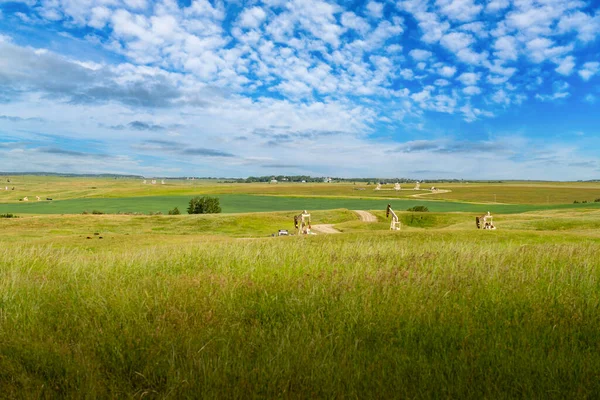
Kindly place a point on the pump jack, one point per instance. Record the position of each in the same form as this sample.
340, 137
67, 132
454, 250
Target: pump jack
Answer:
302, 223
395, 225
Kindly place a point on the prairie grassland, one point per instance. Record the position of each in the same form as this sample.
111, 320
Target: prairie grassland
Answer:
206, 306
414, 314
522, 193
61, 188
128, 230
74, 229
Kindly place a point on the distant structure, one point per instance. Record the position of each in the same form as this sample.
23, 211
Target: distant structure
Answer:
162, 182
25, 198
327, 180
154, 181
486, 221
396, 186
417, 186
273, 180
378, 186
144, 182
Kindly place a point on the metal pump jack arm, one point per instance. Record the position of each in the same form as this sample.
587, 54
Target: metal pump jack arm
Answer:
302, 223
395, 225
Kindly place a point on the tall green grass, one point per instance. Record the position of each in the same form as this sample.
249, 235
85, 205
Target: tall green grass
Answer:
391, 315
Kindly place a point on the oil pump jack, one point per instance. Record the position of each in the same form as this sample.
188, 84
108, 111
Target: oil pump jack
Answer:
486, 221
395, 225
302, 223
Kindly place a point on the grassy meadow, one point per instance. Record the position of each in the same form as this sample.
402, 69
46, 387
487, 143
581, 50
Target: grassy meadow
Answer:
211, 306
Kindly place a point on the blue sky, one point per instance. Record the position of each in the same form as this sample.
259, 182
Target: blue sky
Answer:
424, 89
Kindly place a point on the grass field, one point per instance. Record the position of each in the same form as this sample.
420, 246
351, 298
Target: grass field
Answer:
242, 203
209, 306
539, 193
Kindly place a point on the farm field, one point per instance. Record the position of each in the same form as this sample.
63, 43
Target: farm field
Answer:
211, 306
243, 203
58, 188
77, 195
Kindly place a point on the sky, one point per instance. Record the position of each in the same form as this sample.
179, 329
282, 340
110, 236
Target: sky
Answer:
422, 89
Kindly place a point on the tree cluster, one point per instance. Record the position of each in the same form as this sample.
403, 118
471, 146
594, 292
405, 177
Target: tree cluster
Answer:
204, 205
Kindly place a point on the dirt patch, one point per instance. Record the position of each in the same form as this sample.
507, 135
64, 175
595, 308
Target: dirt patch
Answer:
324, 228
366, 216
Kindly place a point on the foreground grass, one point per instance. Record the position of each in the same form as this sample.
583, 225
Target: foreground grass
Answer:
416, 314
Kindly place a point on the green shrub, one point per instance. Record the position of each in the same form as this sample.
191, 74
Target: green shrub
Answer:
418, 209
576, 202
96, 212
204, 205
174, 211
8, 215
597, 201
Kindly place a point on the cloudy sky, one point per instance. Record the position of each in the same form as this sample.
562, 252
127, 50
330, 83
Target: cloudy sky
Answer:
423, 89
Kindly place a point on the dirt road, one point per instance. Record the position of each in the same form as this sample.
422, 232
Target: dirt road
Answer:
324, 228
366, 216
439, 191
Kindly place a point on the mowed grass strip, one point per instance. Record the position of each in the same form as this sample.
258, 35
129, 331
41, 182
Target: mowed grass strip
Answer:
240, 203
390, 315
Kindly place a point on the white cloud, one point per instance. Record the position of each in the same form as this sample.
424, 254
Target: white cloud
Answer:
497, 5
501, 97
375, 9
447, 71
353, 21
559, 92
471, 90
252, 17
306, 52
506, 48
540, 49
469, 78
590, 98
136, 4
459, 43
420, 55
589, 69
477, 28
432, 28
99, 17
587, 27
459, 10
553, 96
456, 41
407, 74
566, 65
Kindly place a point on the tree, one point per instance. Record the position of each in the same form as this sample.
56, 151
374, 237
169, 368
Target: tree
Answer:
204, 205
174, 211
